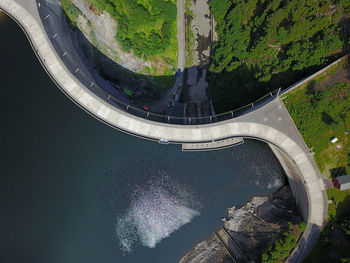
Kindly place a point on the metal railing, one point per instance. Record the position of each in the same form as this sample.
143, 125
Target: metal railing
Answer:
70, 58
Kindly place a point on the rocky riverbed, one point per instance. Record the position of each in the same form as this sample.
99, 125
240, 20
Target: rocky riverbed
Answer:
252, 227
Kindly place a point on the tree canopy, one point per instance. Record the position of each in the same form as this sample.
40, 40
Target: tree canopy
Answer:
144, 26
274, 35
267, 44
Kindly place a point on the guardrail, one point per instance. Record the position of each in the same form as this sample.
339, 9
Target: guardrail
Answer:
67, 57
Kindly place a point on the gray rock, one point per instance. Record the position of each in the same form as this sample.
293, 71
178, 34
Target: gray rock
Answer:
253, 227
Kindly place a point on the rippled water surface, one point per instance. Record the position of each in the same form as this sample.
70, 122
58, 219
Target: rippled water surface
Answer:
74, 190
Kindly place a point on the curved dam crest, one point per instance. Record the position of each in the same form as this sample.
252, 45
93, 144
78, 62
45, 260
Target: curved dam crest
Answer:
270, 123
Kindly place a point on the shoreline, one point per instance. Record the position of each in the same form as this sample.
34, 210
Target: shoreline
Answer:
247, 229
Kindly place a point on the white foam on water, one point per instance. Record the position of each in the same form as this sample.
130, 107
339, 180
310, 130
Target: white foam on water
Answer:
157, 209
277, 183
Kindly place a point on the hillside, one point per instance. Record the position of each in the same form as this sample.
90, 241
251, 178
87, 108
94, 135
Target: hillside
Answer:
143, 31
269, 44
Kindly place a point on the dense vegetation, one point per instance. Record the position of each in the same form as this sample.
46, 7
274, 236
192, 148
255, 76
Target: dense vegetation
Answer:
321, 110
280, 250
71, 10
333, 245
148, 27
260, 39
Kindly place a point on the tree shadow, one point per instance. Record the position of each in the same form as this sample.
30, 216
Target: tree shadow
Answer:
231, 90
144, 87
343, 210
327, 119
310, 88
237, 88
344, 24
230, 93
338, 171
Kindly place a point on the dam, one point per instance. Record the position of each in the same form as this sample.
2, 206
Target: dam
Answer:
268, 122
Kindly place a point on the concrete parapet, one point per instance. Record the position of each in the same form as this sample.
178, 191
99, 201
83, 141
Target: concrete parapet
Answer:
210, 146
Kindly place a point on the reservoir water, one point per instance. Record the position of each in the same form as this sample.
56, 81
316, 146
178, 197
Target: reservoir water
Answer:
75, 190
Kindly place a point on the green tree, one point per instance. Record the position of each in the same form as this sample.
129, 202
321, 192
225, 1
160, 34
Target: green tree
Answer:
146, 27
271, 37
345, 225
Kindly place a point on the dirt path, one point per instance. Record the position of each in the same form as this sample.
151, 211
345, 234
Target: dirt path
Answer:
181, 34
201, 26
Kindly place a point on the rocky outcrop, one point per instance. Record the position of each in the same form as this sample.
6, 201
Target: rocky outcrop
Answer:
261, 221
252, 227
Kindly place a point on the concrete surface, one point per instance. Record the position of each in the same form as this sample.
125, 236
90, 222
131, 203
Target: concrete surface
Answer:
210, 146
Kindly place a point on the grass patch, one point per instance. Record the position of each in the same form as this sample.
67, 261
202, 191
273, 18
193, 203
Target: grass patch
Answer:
337, 197
320, 110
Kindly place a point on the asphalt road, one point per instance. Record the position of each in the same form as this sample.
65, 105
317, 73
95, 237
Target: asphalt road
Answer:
63, 41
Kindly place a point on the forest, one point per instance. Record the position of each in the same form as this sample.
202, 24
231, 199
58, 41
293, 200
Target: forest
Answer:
148, 27
264, 44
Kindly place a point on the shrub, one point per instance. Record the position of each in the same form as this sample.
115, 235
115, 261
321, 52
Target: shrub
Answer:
280, 249
302, 226
146, 27
345, 225
71, 10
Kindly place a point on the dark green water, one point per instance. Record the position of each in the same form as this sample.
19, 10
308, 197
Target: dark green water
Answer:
74, 190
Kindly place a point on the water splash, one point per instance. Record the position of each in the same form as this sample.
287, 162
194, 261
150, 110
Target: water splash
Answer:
157, 209
277, 183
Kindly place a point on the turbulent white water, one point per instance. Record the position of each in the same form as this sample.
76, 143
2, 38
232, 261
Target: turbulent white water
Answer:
157, 209
277, 183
